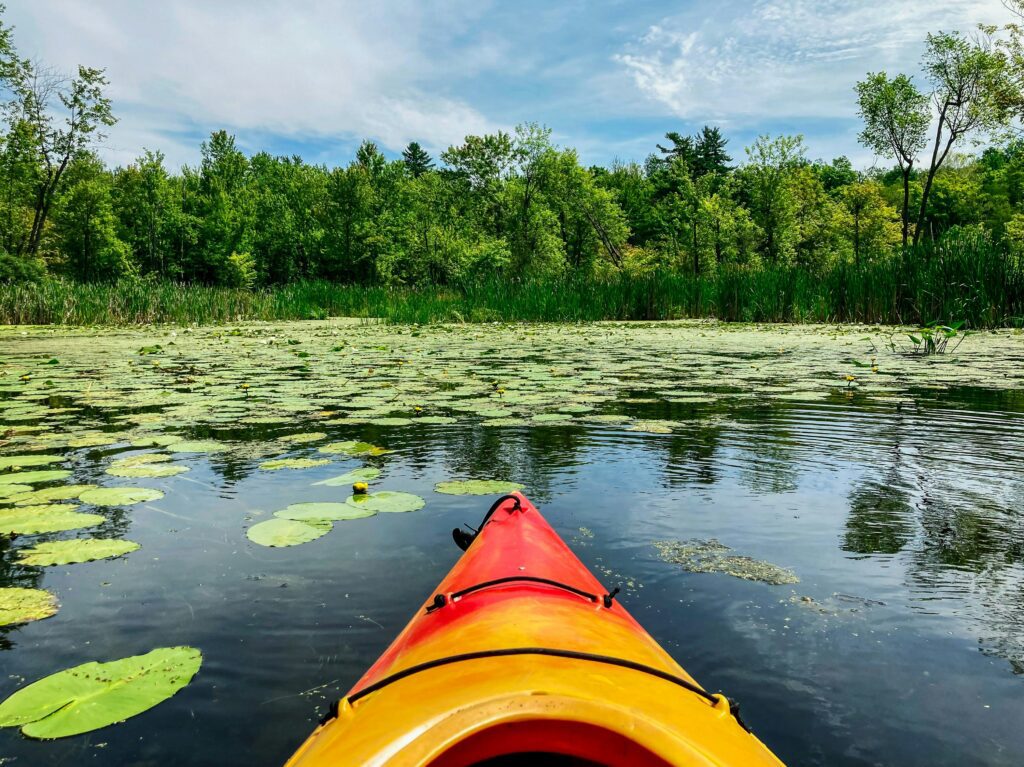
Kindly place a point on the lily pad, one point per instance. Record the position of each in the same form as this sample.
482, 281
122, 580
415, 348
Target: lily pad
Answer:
476, 487
325, 512
147, 470
293, 463
352, 448
279, 532
32, 520
48, 494
95, 440
387, 501
24, 605
391, 421
120, 496
298, 439
551, 418
95, 695
141, 459
367, 474
13, 491
22, 461
72, 552
33, 477
437, 420
197, 446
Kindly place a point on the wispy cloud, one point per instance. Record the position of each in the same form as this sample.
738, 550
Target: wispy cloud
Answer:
332, 70
785, 59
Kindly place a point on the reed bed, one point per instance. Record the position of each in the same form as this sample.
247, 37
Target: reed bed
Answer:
961, 279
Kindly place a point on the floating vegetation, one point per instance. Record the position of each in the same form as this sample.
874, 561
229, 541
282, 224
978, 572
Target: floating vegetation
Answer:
476, 487
45, 495
23, 461
353, 449
120, 496
710, 556
367, 474
19, 605
151, 471
293, 463
33, 520
304, 437
387, 501
95, 695
200, 446
12, 491
324, 512
34, 477
653, 427
279, 532
75, 551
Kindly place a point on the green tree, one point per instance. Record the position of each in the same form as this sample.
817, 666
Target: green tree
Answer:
870, 223
143, 199
896, 118
766, 182
969, 78
709, 154
63, 117
85, 227
416, 159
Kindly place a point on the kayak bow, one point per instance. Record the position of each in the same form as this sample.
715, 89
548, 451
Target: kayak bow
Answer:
521, 657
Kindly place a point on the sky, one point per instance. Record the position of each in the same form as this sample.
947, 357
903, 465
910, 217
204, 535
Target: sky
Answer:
609, 77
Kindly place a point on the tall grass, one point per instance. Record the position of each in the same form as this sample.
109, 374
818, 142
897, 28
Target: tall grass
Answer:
963, 278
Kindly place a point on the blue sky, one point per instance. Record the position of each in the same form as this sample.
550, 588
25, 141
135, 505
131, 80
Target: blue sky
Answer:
610, 77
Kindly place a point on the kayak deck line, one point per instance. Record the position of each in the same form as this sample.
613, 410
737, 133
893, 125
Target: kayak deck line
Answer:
442, 600
521, 652
715, 700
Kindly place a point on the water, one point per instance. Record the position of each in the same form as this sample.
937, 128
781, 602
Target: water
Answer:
902, 644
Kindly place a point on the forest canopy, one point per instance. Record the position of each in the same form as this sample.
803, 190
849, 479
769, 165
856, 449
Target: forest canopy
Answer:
514, 204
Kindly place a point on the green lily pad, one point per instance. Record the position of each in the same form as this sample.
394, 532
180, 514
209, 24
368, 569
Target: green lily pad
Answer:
298, 439
387, 501
72, 552
150, 471
32, 520
326, 512
477, 487
551, 418
437, 420
48, 494
279, 532
13, 491
653, 427
24, 605
293, 463
141, 459
391, 421
352, 448
95, 695
197, 446
22, 461
120, 496
33, 477
367, 474
157, 440
95, 440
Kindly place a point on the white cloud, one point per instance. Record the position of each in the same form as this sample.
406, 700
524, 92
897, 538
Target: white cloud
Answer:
786, 59
320, 69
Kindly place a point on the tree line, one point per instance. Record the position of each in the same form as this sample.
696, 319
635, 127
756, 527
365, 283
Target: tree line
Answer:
514, 204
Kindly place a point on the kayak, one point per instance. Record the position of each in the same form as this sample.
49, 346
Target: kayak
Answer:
520, 656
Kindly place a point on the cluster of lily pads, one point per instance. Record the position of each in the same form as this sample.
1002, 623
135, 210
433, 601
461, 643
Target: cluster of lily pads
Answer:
139, 400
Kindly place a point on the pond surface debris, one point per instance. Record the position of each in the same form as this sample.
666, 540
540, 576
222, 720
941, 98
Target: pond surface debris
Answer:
710, 556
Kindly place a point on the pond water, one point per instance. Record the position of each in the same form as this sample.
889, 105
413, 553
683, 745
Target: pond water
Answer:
890, 485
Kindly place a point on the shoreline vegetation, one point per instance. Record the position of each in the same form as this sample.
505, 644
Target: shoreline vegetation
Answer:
965, 280
510, 226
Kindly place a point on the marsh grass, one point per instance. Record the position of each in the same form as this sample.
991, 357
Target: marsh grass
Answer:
963, 279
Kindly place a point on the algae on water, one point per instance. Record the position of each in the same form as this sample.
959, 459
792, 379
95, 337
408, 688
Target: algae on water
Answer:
711, 556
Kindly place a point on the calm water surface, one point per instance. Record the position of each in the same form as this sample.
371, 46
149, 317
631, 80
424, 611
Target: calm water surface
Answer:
903, 644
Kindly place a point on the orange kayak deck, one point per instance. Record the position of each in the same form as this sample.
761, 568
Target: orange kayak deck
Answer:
520, 650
